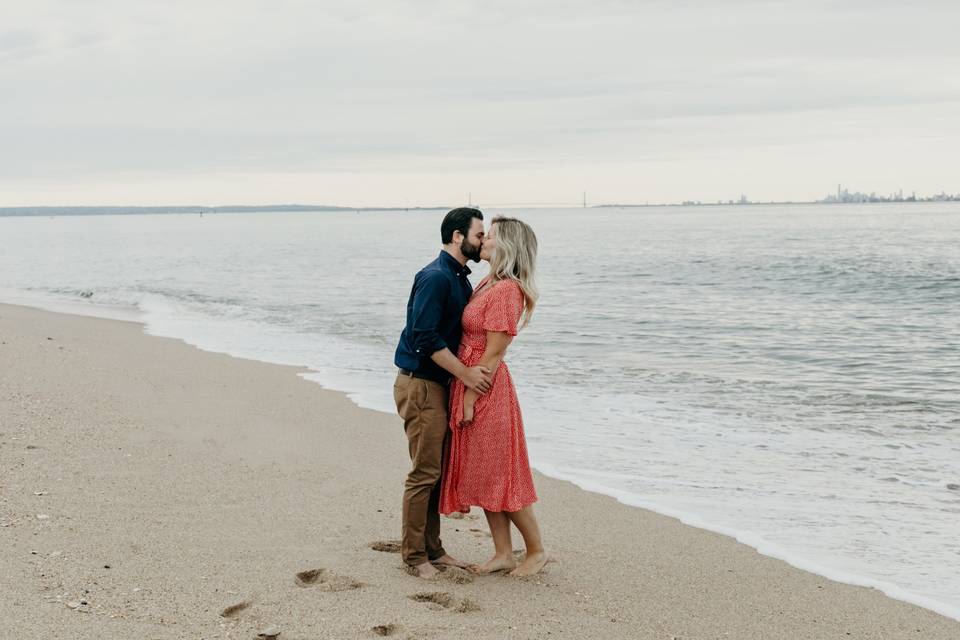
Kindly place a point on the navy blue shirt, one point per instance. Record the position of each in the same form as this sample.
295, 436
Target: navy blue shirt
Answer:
440, 293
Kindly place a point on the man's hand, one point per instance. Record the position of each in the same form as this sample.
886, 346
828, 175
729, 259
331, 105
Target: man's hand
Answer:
477, 379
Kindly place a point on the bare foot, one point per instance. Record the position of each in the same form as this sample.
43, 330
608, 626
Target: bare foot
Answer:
426, 570
532, 564
447, 560
496, 563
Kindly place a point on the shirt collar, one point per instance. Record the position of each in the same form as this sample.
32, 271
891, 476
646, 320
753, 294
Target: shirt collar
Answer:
461, 270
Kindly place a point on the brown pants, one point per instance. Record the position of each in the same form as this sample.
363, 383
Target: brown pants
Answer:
423, 406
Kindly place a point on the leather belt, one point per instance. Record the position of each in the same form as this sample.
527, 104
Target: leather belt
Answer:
422, 376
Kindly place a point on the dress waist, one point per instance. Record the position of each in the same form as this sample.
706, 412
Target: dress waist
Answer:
470, 351
471, 354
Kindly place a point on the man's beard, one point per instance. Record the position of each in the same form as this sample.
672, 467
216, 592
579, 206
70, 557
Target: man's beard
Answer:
470, 251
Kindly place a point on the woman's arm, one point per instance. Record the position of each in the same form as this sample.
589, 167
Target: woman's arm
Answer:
497, 343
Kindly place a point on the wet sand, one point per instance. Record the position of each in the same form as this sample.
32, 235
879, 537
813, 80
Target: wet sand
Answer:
152, 490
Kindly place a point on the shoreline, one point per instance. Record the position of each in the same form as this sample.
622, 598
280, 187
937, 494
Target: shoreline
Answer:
762, 546
745, 537
604, 575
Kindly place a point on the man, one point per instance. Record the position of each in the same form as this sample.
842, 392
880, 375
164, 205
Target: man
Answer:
426, 357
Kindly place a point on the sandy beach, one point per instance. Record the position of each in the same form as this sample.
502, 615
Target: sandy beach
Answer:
152, 490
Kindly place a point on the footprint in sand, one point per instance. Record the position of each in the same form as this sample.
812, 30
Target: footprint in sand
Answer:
385, 629
387, 546
456, 576
235, 610
443, 600
327, 580
466, 606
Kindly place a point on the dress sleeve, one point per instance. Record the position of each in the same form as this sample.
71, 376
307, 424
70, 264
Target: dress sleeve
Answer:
504, 308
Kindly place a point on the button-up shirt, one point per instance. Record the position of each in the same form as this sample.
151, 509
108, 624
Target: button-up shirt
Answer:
440, 293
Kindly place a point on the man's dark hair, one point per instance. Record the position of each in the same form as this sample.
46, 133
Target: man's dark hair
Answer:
458, 219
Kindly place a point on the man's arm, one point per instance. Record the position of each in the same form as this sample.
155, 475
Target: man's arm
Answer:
476, 379
430, 292
428, 302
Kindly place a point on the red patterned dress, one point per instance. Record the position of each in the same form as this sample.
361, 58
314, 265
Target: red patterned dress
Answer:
486, 463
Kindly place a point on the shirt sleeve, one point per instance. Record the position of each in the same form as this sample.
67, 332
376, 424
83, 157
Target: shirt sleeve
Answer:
504, 308
429, 299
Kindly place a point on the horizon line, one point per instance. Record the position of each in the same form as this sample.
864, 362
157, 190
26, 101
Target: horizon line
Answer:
266, 208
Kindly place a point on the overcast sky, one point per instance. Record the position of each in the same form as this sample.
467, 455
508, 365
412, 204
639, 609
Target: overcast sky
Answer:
404, 103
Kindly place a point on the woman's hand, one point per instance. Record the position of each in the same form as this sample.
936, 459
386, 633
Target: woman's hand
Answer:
469, 400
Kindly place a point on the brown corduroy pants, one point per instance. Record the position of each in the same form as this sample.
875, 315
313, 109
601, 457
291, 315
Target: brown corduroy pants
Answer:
423, 406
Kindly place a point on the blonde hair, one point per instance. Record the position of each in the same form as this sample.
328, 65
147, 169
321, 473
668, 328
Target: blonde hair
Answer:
515, 258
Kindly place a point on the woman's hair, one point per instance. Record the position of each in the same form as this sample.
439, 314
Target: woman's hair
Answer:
515, 258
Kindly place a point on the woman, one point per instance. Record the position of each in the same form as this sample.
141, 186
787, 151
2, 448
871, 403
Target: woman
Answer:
487, 465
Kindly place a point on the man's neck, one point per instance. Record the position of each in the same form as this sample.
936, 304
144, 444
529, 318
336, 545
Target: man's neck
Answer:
456, 254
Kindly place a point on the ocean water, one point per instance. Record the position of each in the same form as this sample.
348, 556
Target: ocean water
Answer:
788, 375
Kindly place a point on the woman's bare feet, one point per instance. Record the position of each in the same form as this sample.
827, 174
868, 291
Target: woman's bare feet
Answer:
494, 564
449, 561
532, 564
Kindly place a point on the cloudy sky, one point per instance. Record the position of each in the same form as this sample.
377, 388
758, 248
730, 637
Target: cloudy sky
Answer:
420, 102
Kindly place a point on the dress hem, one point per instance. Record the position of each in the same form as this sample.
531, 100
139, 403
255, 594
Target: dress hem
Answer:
466, 508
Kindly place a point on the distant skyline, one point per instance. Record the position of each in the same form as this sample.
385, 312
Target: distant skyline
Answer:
408, 103
842, 196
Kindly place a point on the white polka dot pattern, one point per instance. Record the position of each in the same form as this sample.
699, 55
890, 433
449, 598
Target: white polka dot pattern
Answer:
487, 463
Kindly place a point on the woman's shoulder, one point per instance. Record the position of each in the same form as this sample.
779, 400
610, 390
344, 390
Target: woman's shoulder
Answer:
506, 286
506, 289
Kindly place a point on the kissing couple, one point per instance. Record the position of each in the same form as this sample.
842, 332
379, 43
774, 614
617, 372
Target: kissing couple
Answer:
456, 397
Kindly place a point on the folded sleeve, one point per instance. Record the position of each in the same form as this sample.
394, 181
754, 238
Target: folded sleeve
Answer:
429, 298
504, 308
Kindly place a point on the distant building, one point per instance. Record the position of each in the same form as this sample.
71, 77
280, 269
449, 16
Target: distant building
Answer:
845, 196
